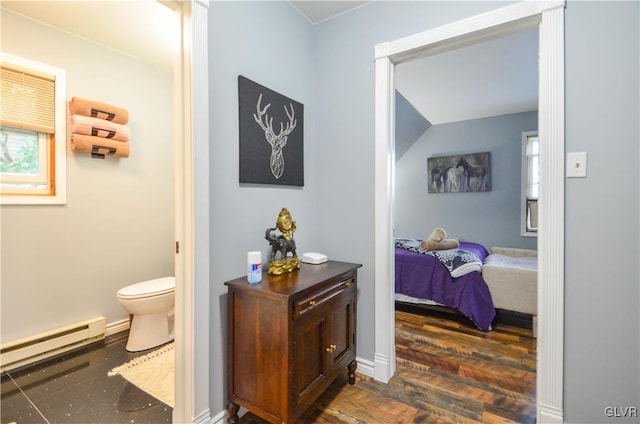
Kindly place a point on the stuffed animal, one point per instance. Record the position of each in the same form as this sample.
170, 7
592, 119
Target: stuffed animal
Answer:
438, 234
438, 241
439, 245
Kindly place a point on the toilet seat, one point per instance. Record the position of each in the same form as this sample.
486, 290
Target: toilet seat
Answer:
148, 288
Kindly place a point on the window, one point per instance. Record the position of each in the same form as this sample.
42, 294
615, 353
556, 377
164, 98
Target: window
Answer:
530, 182
32, 132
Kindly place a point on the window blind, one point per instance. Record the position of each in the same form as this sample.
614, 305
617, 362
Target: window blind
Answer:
28, 99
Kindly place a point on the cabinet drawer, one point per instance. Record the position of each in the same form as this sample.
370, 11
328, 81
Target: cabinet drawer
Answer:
320, 297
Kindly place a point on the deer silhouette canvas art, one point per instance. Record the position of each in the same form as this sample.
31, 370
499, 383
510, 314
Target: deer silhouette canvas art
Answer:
271, 142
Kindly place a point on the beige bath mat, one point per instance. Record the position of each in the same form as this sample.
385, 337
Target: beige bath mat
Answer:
154, 373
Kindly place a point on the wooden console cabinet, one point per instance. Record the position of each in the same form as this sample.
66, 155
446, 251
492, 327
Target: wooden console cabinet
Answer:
289, 337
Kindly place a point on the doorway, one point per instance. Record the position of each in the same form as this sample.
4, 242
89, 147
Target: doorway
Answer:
549, 18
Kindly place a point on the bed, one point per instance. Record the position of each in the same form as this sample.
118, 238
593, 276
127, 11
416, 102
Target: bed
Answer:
423, 278
512, 277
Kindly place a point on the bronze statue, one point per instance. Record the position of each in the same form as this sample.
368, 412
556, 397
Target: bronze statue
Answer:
282, 245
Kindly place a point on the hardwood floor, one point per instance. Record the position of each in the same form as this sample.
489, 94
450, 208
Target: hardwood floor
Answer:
448, 371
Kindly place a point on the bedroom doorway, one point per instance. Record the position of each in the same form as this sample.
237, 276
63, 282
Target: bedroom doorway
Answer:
549, 17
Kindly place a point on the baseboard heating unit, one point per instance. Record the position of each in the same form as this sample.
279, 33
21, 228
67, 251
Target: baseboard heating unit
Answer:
34, 348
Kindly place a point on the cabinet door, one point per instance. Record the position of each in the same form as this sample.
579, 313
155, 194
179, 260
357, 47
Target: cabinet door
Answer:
341, 334
257, 336
308, 351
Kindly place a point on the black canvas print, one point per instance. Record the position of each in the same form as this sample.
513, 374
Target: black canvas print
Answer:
459, 173
271, 143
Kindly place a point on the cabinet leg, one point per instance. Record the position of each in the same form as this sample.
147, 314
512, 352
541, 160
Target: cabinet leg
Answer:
233, 409
352, 372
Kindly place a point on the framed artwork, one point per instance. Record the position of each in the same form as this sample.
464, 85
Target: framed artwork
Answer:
271, 136
459, 173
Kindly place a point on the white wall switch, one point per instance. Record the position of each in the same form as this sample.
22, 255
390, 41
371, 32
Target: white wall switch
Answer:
577, 165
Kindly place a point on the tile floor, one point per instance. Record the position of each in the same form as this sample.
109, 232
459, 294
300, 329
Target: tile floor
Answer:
75, 389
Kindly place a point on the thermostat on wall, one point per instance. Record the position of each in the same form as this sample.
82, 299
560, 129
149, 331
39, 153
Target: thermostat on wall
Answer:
314, 258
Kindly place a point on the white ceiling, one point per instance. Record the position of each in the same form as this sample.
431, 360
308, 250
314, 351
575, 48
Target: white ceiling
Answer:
487, 79
143, 29
318, 11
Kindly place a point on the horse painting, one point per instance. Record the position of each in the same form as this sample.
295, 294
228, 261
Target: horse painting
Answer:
459, 173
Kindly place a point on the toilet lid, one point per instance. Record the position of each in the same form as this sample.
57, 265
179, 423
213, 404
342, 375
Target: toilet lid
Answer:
149, 288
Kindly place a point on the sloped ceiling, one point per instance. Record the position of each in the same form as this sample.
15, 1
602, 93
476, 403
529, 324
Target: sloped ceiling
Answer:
492, 78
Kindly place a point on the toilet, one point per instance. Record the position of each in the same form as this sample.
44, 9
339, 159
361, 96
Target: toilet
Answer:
151, 303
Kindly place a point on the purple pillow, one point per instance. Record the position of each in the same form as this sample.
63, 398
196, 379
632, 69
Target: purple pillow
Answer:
476, 248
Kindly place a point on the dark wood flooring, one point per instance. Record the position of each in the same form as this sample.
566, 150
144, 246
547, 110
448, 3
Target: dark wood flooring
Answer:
448, 371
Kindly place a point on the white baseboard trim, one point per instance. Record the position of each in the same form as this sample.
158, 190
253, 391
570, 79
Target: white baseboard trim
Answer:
221, 417
549, 415
117, 327
365, 367
383, 373
204, 417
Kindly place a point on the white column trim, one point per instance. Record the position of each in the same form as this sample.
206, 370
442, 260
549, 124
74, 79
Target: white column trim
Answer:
192, 214
201, 213
384, 358
183, 146
550, 351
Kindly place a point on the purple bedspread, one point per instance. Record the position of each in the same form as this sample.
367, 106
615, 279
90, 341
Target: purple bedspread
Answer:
424, 276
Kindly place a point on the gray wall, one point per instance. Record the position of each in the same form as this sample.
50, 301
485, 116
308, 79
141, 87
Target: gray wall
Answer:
410, 125
344, 97
490, 218
63, 264
602, 355
269, 43
329, 68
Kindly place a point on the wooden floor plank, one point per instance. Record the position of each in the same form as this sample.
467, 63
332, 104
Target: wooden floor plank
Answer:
446, 372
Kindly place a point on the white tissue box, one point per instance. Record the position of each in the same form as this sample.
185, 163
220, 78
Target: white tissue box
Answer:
314, 258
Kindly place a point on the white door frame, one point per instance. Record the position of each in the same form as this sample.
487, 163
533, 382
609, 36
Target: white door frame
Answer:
191, 148
549, 17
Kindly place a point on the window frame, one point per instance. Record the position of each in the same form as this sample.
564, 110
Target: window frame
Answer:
524, 231
56, 143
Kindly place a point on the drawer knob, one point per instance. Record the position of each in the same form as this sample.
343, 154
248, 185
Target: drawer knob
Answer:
312, 303
331, 348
